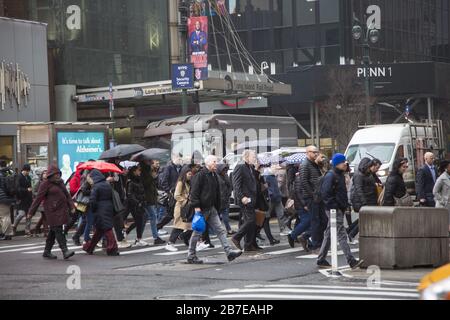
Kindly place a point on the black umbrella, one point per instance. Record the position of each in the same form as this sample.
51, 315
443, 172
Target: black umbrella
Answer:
121, 151
151, 154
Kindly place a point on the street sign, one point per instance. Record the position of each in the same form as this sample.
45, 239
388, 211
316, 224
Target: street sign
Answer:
183, 76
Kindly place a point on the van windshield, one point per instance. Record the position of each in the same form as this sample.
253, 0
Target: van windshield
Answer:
381, 151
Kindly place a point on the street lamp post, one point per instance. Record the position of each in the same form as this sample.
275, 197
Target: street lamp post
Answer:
371, 36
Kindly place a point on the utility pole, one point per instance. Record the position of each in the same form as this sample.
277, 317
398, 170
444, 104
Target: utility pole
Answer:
183, 8
111, 115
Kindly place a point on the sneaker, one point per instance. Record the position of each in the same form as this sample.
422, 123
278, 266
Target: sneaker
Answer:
284, 233
6, 238
291, 241
233, 255
162, 232
354, 264
202, 246
323, 264
140, 243
158, 241
99, 244
194, 260
170, 247
123, 244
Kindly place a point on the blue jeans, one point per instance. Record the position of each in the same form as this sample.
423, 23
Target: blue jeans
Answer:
319, 222
89, 223
161, 211
225, 214
152, 217
303, 225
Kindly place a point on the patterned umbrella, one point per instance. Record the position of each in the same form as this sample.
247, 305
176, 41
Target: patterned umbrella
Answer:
295, 158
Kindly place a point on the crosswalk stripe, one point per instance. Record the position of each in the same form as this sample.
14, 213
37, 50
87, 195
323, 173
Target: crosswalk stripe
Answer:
171, 253
20, 245
321, 291
314, 256
22, 249
53, 250
293, 297
148, 249
278, 252
330, 287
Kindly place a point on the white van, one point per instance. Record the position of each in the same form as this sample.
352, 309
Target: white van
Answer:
389, 142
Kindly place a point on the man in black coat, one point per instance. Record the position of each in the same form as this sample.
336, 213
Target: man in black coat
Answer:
24, 198
6, 201
425, 180
205, 198
244, 185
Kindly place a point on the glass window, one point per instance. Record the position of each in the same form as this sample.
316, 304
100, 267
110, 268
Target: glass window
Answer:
381, 151
283, 38
329, 11
282, 12
306, 36
306, 12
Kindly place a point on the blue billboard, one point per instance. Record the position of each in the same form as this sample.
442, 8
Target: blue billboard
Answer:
76, 147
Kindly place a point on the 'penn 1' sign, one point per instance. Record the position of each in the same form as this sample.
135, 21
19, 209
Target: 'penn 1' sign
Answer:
374, 72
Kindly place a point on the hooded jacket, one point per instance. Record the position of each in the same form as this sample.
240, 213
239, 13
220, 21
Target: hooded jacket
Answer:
101, 201
274, 190
5, 198
365, 189
57, 201
150, 185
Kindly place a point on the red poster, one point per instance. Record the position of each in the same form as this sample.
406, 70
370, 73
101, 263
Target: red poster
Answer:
198, 46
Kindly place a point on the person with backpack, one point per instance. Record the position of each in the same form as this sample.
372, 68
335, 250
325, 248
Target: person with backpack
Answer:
24, 199
6, 201
334, 196
57, 206
180, 227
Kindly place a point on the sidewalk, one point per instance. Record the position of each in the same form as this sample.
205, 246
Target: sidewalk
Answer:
410, 276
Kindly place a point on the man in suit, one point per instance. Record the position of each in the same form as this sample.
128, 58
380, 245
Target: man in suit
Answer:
425, 180
245, 189
198, 38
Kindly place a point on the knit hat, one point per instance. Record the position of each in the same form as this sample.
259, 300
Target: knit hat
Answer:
26, 167
338, 158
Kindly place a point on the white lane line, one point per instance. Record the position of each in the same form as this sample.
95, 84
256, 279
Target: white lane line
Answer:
327, 291
56, 249
255, 286
22, 249
21, 245
278, 252
293, 297
148, 249
314, 256
171, 253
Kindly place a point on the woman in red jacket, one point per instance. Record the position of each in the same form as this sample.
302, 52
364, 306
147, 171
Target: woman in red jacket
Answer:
57, 205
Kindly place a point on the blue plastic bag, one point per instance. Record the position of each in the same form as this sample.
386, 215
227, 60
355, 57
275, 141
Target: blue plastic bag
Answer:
199, 222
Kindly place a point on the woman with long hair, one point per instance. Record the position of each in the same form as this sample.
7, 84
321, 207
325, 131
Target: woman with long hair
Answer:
395, 185
181, 229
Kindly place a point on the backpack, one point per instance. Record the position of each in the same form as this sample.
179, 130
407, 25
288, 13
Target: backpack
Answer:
318, 197
10, 184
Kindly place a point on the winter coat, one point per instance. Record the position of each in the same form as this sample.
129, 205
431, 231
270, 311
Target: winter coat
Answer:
441, 191
169, 177
149, 182
57, 200
364, 187
334, 190
299, 203
181, 196
75, 182
205, 190
274, 190
5, 198
244, 184
24, 197
394, 187
101, 201
225, 187
262, 193
135, 193
310, 174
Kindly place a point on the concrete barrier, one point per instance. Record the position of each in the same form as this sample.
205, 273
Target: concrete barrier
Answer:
403, 237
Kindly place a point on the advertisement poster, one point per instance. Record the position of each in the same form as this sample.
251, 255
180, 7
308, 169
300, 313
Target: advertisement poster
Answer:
198, 46
76, 147
197, 8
